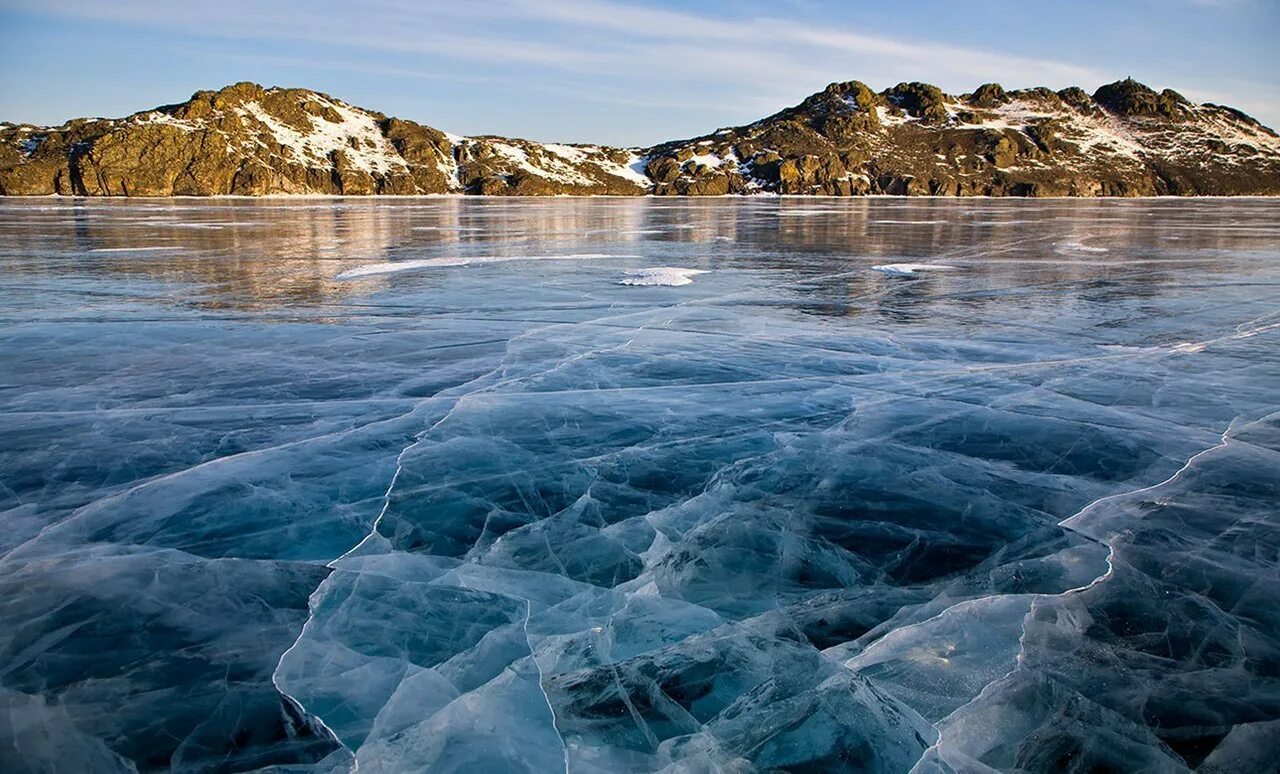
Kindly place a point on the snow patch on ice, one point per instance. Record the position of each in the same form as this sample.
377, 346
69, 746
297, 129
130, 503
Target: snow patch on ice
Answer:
135, 249
1076, 247
660, 275
909, 269
806, 212
393, 267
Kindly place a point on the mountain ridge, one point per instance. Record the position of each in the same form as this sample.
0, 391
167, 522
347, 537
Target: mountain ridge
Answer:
911, 139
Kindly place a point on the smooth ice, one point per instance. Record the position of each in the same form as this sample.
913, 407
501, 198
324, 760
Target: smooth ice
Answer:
601, 485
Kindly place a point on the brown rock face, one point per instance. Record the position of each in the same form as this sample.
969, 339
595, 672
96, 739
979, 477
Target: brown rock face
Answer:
428, 154
248, 140
24, 173
847, 140
915, 139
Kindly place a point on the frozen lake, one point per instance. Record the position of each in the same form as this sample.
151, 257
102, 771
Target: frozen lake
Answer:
494, 485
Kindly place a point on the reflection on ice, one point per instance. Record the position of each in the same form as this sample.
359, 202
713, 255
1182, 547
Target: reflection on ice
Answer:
1017, 515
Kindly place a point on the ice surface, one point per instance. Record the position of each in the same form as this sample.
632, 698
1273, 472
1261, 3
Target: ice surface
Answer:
282, 495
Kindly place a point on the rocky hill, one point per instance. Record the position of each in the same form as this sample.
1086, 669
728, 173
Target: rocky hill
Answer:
912, 139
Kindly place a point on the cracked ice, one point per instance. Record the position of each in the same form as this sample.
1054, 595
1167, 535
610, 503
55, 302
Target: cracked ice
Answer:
901, 485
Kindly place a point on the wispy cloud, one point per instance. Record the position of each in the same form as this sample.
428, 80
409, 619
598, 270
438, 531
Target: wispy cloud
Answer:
1221, 3
583, 36
731, 67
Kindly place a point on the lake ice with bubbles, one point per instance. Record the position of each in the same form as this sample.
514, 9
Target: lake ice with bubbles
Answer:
607, 485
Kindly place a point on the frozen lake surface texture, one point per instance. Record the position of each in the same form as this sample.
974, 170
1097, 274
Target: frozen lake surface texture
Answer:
608, 485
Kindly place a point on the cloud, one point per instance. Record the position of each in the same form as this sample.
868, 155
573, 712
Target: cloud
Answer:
732, 67
1221, 3
583, 37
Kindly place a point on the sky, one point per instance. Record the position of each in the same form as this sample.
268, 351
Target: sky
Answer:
622, 72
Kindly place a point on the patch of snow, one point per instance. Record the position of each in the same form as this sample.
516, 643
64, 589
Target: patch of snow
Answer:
157, 117
806, 211
632, 170
671, 276
1076, 247
357, 135
552, 165
393, 267
1226, 127
1087, 132
887, 118
573, 164
852, 104
135, 249
909, 269
566, 151
707, 160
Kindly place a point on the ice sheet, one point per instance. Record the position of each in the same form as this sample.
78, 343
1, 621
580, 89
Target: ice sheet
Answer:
518, 517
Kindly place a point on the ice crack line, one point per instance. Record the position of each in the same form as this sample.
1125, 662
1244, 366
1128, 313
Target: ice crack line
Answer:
555, 723
1019, 659
314, 598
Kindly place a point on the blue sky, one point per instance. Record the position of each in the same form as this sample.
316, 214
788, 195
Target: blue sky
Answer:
616, 71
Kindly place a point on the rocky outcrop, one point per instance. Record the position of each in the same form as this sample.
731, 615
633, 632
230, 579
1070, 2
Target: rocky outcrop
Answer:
248, 140
913, 139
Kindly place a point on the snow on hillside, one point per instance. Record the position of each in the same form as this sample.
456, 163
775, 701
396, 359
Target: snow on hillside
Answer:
356, 134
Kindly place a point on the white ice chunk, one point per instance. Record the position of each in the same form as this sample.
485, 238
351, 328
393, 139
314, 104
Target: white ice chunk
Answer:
392, 267
661, 275
1076, 247
909, 269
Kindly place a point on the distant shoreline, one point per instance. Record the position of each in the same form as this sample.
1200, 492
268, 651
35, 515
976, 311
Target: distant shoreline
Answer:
1123, 141
762, 196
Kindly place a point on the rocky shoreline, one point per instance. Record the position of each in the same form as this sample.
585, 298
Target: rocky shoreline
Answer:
847, 140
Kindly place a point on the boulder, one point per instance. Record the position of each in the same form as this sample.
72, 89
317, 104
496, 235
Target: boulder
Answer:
1130, 98
989, 95
922, 100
